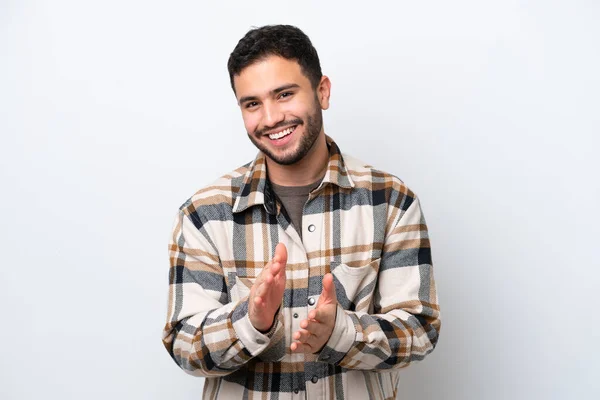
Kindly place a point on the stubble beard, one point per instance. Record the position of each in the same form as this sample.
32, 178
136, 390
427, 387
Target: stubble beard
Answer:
313, 126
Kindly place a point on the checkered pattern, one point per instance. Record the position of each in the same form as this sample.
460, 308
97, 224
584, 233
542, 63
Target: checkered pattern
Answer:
362, 225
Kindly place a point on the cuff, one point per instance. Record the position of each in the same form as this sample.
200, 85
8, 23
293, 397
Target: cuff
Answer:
341, 339
253, 340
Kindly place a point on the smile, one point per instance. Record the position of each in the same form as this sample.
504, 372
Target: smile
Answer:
282, 134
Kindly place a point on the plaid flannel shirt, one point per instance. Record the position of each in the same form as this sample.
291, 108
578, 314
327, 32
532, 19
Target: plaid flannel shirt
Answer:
362, 225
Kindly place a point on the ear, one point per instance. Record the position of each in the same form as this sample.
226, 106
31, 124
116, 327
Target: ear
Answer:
323, 92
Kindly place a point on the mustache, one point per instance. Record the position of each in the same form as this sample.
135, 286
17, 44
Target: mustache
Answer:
281, 124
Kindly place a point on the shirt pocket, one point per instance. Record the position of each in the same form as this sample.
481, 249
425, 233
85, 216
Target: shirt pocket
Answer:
355, 286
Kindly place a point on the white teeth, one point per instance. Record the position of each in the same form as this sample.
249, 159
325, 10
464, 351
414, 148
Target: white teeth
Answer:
281, 134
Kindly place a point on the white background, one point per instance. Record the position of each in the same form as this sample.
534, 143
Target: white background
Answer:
112, 113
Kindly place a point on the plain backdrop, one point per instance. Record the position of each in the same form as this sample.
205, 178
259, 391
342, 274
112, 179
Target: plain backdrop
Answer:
113, 113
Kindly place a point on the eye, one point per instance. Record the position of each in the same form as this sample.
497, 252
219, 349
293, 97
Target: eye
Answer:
250, 104
285, 94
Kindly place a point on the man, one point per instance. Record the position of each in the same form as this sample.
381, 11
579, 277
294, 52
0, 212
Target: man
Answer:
305, 273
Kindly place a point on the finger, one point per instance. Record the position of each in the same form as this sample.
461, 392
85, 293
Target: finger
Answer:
312, 344
280, 254
280, 278
302, 335
298, 347
263, 288
306, 338
260, 277
267, 275
275, 268
295, 347
316, 315
267, 270
314, 327
268, 278
328, 295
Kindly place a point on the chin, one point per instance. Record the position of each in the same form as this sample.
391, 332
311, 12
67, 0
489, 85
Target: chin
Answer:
284, 158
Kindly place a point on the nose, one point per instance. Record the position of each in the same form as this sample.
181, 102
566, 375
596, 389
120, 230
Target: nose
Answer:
272, 114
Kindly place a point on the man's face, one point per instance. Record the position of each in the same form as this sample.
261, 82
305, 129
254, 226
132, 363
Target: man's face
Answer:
281, 111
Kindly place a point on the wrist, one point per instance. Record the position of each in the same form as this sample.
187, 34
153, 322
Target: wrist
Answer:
267, 330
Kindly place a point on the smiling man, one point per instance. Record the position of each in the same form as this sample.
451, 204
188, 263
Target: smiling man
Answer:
305, 273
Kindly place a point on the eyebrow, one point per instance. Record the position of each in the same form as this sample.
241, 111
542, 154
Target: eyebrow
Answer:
273, 92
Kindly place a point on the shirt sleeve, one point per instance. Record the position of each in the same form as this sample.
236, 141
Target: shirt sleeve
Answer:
205, 334
406, 324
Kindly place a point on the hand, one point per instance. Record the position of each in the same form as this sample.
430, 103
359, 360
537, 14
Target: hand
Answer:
317, 329
267, 292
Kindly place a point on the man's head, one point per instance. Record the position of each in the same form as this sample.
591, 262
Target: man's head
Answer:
276, 76
285, 41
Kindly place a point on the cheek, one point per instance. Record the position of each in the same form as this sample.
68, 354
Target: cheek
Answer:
251, 121
299, 108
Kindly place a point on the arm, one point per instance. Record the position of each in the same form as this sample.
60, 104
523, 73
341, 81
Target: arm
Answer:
205, 335
406, 323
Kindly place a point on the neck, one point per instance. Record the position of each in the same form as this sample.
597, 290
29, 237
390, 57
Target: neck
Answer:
306, 171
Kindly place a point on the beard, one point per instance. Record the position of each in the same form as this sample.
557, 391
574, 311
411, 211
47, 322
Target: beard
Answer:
313, 126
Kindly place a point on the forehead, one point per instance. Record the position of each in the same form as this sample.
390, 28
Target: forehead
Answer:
265, 75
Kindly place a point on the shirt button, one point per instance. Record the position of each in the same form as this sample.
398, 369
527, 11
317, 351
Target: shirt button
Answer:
260, 341
314, 379
311, 228
296, 391
295, 315
325, 357
311, 301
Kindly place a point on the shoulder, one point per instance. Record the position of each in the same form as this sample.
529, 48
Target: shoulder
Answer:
220, 195
366, 176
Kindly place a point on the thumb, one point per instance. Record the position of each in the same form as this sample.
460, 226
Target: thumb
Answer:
328, 295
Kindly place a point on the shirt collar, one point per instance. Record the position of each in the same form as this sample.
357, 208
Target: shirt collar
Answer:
256, 188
